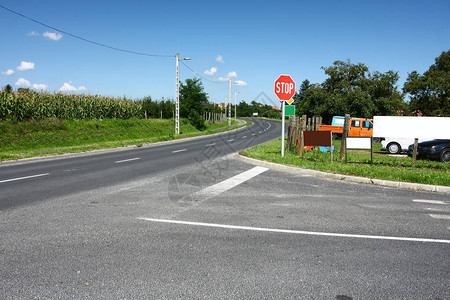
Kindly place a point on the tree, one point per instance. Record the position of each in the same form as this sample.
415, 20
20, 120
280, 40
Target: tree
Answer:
430, 93
192, 102
9, 89
350, 89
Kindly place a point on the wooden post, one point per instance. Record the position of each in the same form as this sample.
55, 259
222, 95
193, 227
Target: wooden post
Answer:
308, 128
331, 147
343, 149
295, 132
302, 144
301, 148
288, 146
414, 156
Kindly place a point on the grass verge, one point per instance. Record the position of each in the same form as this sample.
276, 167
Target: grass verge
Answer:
386, 167
54, 136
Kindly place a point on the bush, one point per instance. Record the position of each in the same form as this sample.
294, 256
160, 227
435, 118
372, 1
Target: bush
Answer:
196, 120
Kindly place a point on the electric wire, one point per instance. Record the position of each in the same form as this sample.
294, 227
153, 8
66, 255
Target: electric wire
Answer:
84, 39
197, 74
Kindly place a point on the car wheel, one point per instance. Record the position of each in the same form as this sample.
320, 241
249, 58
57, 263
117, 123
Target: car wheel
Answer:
394, 148
377, 140
445, 155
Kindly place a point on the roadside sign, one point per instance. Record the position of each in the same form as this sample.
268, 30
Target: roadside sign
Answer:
284, 87
290, 101
289, 110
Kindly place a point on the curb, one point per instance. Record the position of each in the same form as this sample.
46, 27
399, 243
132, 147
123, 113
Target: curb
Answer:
347, 178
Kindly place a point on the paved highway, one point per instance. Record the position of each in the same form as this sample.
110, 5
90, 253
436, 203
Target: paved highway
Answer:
188, 221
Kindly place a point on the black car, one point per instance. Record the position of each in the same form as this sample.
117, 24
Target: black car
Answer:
435, 149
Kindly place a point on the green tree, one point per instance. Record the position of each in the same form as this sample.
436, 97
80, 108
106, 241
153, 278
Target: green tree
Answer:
350, 89
193, 100
9, 89
430, 92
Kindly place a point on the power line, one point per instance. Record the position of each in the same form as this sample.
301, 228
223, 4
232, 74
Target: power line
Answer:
196, 73
83, 39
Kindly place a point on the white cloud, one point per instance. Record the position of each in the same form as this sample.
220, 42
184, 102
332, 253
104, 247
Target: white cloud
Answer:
232, 74
8, 72
53, 35
211, 71
240, 82
222, 78
219, 59
23, 82
68, 87
34, 33
24, 66
40, 86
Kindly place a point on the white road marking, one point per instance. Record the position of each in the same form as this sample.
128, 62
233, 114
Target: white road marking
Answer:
373, 237
25, 177
231, 140
429, 201
260, 132
212, 144
126, 160
181, 150
254, 134
229, 183
244, 136
442, 217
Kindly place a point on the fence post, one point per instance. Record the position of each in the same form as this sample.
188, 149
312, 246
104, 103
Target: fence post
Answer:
301, 147
343, 149
414, 156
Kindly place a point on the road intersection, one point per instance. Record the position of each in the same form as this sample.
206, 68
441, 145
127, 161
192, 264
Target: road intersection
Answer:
188, 220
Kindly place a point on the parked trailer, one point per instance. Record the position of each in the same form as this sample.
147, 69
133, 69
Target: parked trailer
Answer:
399, 132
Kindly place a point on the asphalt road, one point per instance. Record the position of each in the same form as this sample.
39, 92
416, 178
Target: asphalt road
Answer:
168, 223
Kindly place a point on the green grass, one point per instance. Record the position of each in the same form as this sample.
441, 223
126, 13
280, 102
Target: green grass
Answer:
55, 136
384, 166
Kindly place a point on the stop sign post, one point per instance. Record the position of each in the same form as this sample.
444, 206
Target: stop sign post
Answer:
284, 89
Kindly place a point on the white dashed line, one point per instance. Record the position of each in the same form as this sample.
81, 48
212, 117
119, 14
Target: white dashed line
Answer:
441, 217
244, 136
181, 150
231, 140
429, 201
126, 160
25, 177
224, 226
212, 144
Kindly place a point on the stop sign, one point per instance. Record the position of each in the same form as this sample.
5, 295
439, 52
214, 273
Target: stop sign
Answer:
284, 87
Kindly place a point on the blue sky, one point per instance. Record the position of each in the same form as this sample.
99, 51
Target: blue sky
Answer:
256, 41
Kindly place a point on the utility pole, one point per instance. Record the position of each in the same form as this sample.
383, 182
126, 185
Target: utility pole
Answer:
177, 98
177, 93
235, 104
229, 109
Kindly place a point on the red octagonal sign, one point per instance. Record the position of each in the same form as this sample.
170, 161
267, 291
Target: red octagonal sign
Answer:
284, 87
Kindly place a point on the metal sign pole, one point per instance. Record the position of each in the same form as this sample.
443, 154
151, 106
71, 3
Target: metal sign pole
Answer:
282, 128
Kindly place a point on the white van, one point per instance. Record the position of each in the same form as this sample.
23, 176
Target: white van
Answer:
397, 145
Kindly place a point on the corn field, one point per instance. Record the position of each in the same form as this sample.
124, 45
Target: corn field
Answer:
33, 105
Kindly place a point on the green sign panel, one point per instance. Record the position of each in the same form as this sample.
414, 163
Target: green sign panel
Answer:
289, 110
